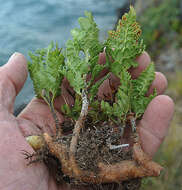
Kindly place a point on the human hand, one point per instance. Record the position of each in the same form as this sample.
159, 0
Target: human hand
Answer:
14, 172
155, 122
154, 125
36, 119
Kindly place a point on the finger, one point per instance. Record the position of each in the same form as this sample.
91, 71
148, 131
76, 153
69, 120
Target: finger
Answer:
37, 114
67, 95
102, 58
105, 71
106, 89
159, 83
143, 61
155, 123
12, 78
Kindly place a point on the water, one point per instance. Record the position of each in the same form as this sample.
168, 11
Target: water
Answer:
31, 24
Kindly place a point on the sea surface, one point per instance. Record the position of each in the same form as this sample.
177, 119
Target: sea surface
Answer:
31, 24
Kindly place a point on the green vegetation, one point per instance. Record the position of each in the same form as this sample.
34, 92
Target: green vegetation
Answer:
162, 29
161, 25
80, 59
44, 71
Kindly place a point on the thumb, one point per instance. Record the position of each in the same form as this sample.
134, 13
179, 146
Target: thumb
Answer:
12, 78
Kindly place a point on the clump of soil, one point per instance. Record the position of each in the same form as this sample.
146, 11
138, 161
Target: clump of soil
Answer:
94, 146
97, 143
133, 184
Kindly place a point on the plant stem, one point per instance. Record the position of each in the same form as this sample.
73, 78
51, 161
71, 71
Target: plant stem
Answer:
49, 101
78, 126
58, 128
134, 129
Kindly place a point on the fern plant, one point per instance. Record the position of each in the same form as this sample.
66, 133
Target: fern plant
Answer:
78, 63
80, 59
45, 74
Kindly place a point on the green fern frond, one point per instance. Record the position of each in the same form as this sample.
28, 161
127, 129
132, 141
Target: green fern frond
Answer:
80, 66
73, 111
122, 105
88, 35
82, 53
139, 104
124, 44
44, 70
66, 110
94, 88
140, 88
123, 95
143, 82
106, 108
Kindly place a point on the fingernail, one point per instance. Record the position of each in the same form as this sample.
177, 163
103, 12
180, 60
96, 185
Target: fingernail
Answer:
13, 56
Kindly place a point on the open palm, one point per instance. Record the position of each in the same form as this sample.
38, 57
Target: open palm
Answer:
36, 119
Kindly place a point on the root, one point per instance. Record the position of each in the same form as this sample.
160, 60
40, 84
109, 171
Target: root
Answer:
59, 151
153, 169
32, 158
140, 165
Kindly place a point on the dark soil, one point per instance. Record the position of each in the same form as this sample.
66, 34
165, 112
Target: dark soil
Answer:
133, 184
94, 146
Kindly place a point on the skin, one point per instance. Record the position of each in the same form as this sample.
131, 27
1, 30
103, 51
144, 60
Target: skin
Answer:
36, 118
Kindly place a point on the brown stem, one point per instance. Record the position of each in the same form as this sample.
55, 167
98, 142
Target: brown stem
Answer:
76, 132
122, 171
58, 128
59, 151
135, 132
145, 161
49, 101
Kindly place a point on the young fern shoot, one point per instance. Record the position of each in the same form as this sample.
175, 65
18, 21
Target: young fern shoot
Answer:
46, 77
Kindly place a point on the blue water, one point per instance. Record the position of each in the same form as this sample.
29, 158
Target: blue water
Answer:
31, 24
